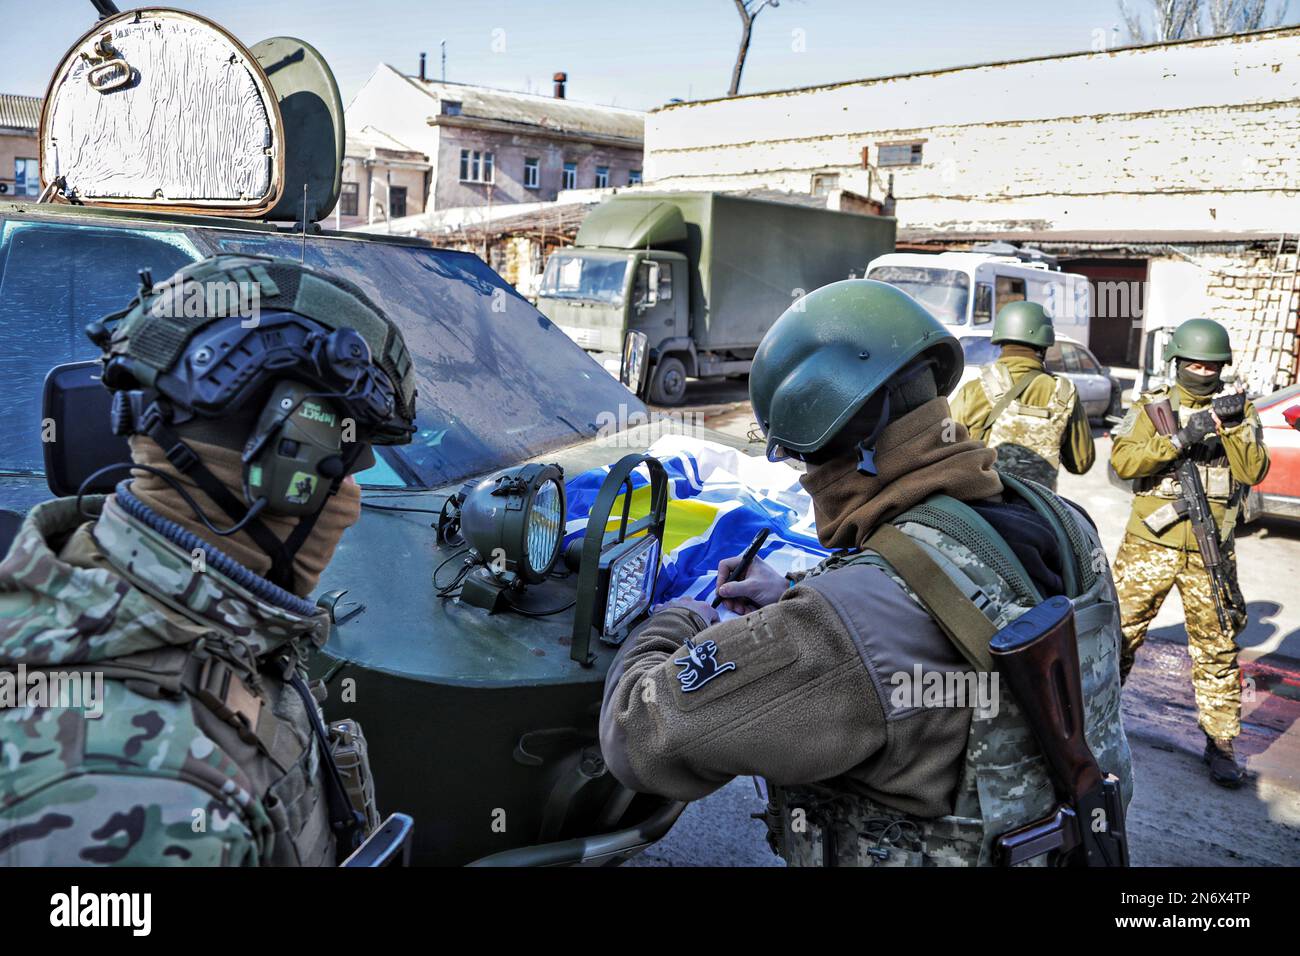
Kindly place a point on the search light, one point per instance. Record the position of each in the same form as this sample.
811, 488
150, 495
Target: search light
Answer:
513, 522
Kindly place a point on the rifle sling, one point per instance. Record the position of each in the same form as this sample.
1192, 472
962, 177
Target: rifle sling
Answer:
958, 617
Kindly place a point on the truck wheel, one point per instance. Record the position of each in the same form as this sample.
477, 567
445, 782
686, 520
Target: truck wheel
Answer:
668, 386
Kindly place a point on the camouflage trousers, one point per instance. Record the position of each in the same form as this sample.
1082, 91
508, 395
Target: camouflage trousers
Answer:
1144, 574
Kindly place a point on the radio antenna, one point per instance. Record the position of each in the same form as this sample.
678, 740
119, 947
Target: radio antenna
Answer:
302, 253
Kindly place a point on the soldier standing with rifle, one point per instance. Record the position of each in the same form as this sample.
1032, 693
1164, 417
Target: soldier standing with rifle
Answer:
1192, 451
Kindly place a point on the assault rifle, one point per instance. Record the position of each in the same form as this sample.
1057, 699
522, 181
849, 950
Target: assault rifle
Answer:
1194, 506
1038, 654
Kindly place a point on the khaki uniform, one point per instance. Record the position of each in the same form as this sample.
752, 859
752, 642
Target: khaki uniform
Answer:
1158, 553
1044, 429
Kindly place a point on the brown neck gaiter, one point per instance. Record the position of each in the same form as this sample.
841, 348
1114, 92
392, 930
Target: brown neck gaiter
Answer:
923, 453
1016, 350
341, 511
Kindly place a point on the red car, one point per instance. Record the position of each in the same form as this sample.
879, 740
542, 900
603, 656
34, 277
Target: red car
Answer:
1278, 495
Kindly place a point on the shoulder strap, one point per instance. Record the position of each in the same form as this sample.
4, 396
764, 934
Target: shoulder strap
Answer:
958, 617
1009, 396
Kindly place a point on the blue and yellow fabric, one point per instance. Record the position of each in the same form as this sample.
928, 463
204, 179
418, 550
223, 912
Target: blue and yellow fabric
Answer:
718, 500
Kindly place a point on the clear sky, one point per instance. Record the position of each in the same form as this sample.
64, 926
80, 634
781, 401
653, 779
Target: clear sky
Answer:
632, 53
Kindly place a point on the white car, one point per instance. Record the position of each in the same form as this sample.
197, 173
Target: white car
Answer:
1101, 395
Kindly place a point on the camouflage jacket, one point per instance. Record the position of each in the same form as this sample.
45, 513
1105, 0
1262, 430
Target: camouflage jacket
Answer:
133, 728
1230, 461
1046, 428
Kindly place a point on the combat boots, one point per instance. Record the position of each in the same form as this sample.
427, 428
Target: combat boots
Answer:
1224, 769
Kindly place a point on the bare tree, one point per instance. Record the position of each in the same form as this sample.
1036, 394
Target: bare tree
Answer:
1159, 21
1239, 16
749, 11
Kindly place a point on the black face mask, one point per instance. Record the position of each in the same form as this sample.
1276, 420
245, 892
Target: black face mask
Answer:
1202, 386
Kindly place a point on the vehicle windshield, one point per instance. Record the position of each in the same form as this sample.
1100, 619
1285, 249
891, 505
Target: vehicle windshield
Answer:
497, 382
943, 292
576, 276
979, 350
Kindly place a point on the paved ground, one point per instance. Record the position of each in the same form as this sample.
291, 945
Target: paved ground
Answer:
1178, 818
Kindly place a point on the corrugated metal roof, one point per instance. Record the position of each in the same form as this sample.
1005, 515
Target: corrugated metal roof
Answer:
368, 138
546, 112
20, 112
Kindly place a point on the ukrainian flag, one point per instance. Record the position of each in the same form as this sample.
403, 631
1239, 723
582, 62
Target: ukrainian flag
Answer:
718, 500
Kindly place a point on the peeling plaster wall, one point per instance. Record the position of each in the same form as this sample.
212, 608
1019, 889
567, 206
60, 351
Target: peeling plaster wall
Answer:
1199, 135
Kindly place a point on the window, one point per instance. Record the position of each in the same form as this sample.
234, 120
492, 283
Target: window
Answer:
979, 350
943, 292
634, 177
54, 278
1054, 362
532, 173
396, 202
477, 166
602, 177
348, 199
1010, 290
27, 177
450, 107
983, 304
899, 154
570, 176
822, 183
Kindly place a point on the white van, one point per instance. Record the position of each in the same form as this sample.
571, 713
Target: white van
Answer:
967, 289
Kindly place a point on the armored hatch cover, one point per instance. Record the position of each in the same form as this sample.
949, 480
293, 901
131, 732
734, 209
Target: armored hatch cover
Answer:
159, 108
314, 131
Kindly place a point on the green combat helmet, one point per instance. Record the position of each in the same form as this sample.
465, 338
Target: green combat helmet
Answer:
1200, 340
1023, 322
827, 354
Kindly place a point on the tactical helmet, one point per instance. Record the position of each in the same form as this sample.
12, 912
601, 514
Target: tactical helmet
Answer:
240, 337
220, 331
1023, 322
1200, 340
827, 354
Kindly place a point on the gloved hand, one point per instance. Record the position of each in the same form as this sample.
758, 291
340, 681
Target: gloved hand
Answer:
761, 586
1198, 426
1231, 408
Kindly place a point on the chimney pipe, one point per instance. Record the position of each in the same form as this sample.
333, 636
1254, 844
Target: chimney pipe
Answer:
421, 66
560, 79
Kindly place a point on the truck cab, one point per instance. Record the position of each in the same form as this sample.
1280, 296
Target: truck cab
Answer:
967, 289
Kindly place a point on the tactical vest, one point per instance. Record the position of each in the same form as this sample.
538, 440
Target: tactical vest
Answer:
1026, 437
1211, 461
1004, 782
213, 714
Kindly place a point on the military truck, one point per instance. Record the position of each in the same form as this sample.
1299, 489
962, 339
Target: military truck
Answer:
661, 287
479, 702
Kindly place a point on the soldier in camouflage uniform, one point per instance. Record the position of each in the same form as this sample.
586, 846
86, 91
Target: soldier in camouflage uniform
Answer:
818, 685
202, 744
1033, 418
1221, 433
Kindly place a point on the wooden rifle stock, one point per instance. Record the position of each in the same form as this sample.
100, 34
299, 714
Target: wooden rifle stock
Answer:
1038, 654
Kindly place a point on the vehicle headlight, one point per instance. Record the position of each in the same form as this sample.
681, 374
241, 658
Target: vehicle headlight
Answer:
628, 574
514, 521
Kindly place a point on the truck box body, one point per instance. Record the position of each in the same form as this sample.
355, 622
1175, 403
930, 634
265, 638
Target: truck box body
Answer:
746, 261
